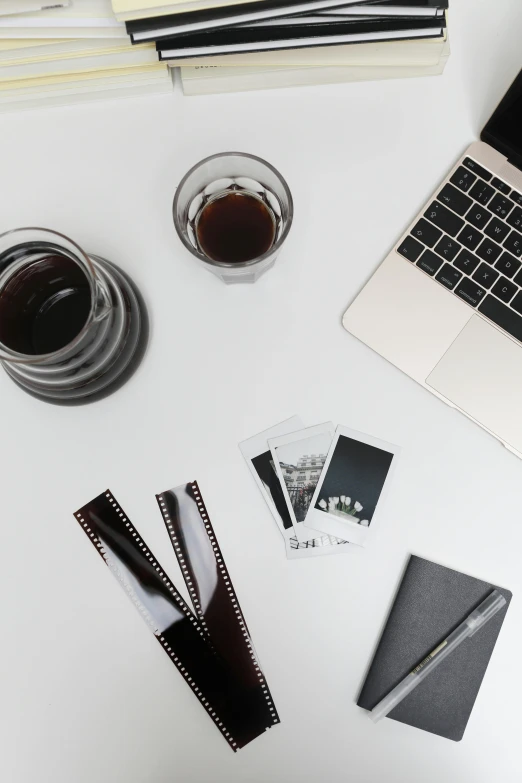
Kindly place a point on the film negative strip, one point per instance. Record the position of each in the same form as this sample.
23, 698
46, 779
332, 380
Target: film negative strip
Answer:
216, 603
212, 647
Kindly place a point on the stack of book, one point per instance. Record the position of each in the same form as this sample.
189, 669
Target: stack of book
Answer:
230, 45
61, 51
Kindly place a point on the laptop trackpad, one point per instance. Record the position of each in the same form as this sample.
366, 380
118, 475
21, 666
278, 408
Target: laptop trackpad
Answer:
481, 373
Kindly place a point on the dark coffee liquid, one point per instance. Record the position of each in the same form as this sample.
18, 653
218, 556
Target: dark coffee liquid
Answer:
45, 306
235, 227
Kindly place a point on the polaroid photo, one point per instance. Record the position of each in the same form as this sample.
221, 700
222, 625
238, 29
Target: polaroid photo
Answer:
259, 459
298, 459
352, 486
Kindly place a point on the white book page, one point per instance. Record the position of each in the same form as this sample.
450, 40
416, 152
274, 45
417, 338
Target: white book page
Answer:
23, 6
426, 51
81, 12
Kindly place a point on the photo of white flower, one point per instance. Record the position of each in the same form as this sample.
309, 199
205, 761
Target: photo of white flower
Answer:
353, 480
341, 505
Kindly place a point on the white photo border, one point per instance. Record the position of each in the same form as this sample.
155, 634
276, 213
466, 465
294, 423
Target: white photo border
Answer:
334, 525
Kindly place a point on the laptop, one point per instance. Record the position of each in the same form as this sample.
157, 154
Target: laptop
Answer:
445, 306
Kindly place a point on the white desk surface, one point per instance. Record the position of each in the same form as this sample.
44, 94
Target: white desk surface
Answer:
87, 695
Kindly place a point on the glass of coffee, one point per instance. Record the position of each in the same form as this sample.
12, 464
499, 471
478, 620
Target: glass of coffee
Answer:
233, 212
73, 327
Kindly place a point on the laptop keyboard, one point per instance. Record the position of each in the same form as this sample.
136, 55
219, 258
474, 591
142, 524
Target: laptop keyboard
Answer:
470, 240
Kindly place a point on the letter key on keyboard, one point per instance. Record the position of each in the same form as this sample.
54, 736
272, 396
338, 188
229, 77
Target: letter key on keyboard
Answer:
444, 219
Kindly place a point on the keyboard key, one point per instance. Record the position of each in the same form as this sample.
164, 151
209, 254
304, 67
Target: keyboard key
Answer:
504, 289
482, 192
515, 218
471, 292
444, 219
470, 237
410, 249
466, 262
502, 316
516, 197
508, 264
499, 185
501, 206
517, 302
447, 248
497, 230
426, 233
514, 243
478, 216
518, 278
448, 276
489, 251
429, 262
485, 275
463, 179
454, 199
479, 170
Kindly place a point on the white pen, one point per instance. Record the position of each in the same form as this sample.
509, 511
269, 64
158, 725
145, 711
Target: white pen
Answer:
479, 617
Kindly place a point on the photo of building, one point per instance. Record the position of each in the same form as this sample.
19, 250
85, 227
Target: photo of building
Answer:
301, 480
305, 473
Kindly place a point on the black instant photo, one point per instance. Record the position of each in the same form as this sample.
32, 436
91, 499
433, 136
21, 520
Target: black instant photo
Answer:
357, 470
212, 647
264, 466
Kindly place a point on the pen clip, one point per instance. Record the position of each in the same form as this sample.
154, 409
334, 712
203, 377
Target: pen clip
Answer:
489, 607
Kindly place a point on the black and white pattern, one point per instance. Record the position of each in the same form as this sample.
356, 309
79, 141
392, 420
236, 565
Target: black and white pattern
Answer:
211, 647
260, 462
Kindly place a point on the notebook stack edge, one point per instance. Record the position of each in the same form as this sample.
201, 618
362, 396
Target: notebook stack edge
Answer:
67, 55
46, 55
207, 80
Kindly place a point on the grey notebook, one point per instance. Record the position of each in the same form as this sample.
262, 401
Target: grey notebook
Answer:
431, 601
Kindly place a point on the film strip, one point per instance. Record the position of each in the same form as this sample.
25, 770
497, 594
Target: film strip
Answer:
216, 604
211, 648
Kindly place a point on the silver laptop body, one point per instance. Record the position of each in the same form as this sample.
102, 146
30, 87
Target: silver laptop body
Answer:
445, 306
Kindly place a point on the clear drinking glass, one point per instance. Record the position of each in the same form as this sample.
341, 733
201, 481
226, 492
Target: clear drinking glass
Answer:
73, 327
222, 175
